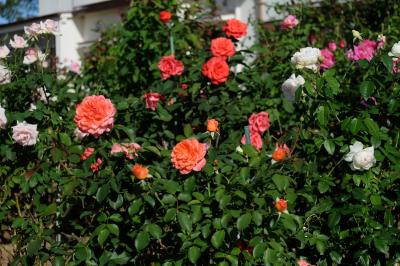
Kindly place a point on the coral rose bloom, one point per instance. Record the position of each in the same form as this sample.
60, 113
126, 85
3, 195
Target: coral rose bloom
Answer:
259, 122
188, 155
140, 172
255, 140
216, 69
223, 47
169, 66
95, 115
235, 28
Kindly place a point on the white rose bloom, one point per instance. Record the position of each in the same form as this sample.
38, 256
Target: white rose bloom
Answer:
4, 51
290, 86
3, 118
362, 159
18, 42
5, 75
25, 134
79, 135
395, 52
42, 94
307, 58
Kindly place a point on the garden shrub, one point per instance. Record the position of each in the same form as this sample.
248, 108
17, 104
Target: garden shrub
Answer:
190, 154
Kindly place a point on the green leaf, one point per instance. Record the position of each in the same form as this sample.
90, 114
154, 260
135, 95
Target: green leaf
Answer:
187, 130
376, 200
142, 240
257, 218
258, 250
154, 230
243, 221
49, 210
280, 181
135, 206
323, 186
218, 238
372, 127
102, 236
333, 84
194, 254
329, 146
355, 125
323, 115
381, 245
366, 89
113, 228
321, 246
163, 114
65, 139
335, 257
33, 247
249, 150
185, 222
102, 192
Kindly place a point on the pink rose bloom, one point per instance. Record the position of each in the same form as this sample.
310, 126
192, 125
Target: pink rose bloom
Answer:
49, 26
45, 64
95, 115
86, 154
365, 50
127, 148
169, 66
342, 43
31, 56
329, 59
4, 51
18, 42
302, 262
33, 29
289, 22
152, 99
75, 67
332, 46
259, 122
312, 38
25, 134
255, 139
395, 67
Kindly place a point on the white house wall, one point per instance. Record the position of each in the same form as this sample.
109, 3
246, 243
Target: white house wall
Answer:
79, 30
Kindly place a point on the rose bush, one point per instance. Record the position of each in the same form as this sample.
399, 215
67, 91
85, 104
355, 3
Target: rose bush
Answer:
138, 160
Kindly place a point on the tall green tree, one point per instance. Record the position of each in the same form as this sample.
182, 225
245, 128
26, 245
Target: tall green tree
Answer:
13, 10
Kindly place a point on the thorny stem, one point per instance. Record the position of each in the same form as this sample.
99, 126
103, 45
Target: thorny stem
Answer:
17, 203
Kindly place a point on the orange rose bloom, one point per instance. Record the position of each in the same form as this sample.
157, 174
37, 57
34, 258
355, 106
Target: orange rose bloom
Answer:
212, 125
95, 115
216, 69
165, 16
280, 152
281, 205
235, 28
188, 155
140, 172
222, 47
